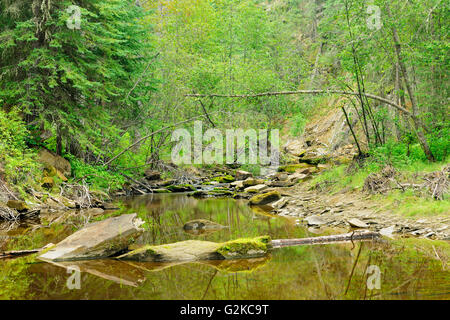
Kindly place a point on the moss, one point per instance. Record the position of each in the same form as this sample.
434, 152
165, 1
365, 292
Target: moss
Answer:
224, 179
265, 198
181, 188
220, 192
245, 247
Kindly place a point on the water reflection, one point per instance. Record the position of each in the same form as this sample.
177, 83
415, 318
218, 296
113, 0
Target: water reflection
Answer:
337, 271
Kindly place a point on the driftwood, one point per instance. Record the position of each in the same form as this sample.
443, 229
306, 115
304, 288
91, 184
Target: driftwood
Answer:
21, 253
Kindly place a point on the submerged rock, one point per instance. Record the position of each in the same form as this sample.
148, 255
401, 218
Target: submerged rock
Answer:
265, 198
194, 250
181, 188
202, 224
97, 240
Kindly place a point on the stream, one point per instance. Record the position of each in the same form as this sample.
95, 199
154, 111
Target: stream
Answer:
400, 269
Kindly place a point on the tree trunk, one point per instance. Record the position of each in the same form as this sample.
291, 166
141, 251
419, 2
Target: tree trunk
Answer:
417, 123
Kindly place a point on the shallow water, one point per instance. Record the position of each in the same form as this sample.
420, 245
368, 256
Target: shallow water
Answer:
406, 270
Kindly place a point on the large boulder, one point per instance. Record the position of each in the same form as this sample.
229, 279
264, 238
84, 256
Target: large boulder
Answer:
265, 198
97, 240
52, 159
18, 205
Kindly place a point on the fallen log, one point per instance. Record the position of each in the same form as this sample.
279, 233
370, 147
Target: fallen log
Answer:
346, 237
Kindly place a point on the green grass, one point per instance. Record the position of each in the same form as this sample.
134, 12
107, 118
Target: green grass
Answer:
408, 204
339, 178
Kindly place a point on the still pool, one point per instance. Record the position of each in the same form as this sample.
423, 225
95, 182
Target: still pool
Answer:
398, 269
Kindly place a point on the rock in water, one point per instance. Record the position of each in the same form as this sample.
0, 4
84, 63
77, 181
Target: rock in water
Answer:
195, 250
97, 240
202, 224
265, 198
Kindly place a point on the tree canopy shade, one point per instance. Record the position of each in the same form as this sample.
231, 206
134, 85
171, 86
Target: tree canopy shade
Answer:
77, 83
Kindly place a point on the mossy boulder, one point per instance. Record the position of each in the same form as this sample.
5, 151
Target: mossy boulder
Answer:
195, 250
224, 179
245, 248
18, 205
249, 182
265, 198
48, 182
181, 188
161, 191
198, 194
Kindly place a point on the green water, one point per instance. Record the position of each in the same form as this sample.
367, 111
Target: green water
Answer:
408, 269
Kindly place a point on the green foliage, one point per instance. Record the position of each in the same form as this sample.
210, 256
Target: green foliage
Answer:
98, 177
77, 83
16, 160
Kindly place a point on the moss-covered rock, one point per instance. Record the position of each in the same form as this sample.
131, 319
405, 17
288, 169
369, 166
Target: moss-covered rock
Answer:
200, 224
48, 182
181, 188
224, 179
245, 248
195, 250
265, 198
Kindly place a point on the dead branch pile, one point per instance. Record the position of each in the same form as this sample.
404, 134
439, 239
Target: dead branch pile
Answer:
380, 182
437, 183
9, 214
79, 193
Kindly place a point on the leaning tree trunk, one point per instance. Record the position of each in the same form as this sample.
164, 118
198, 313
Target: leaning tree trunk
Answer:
419, 126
